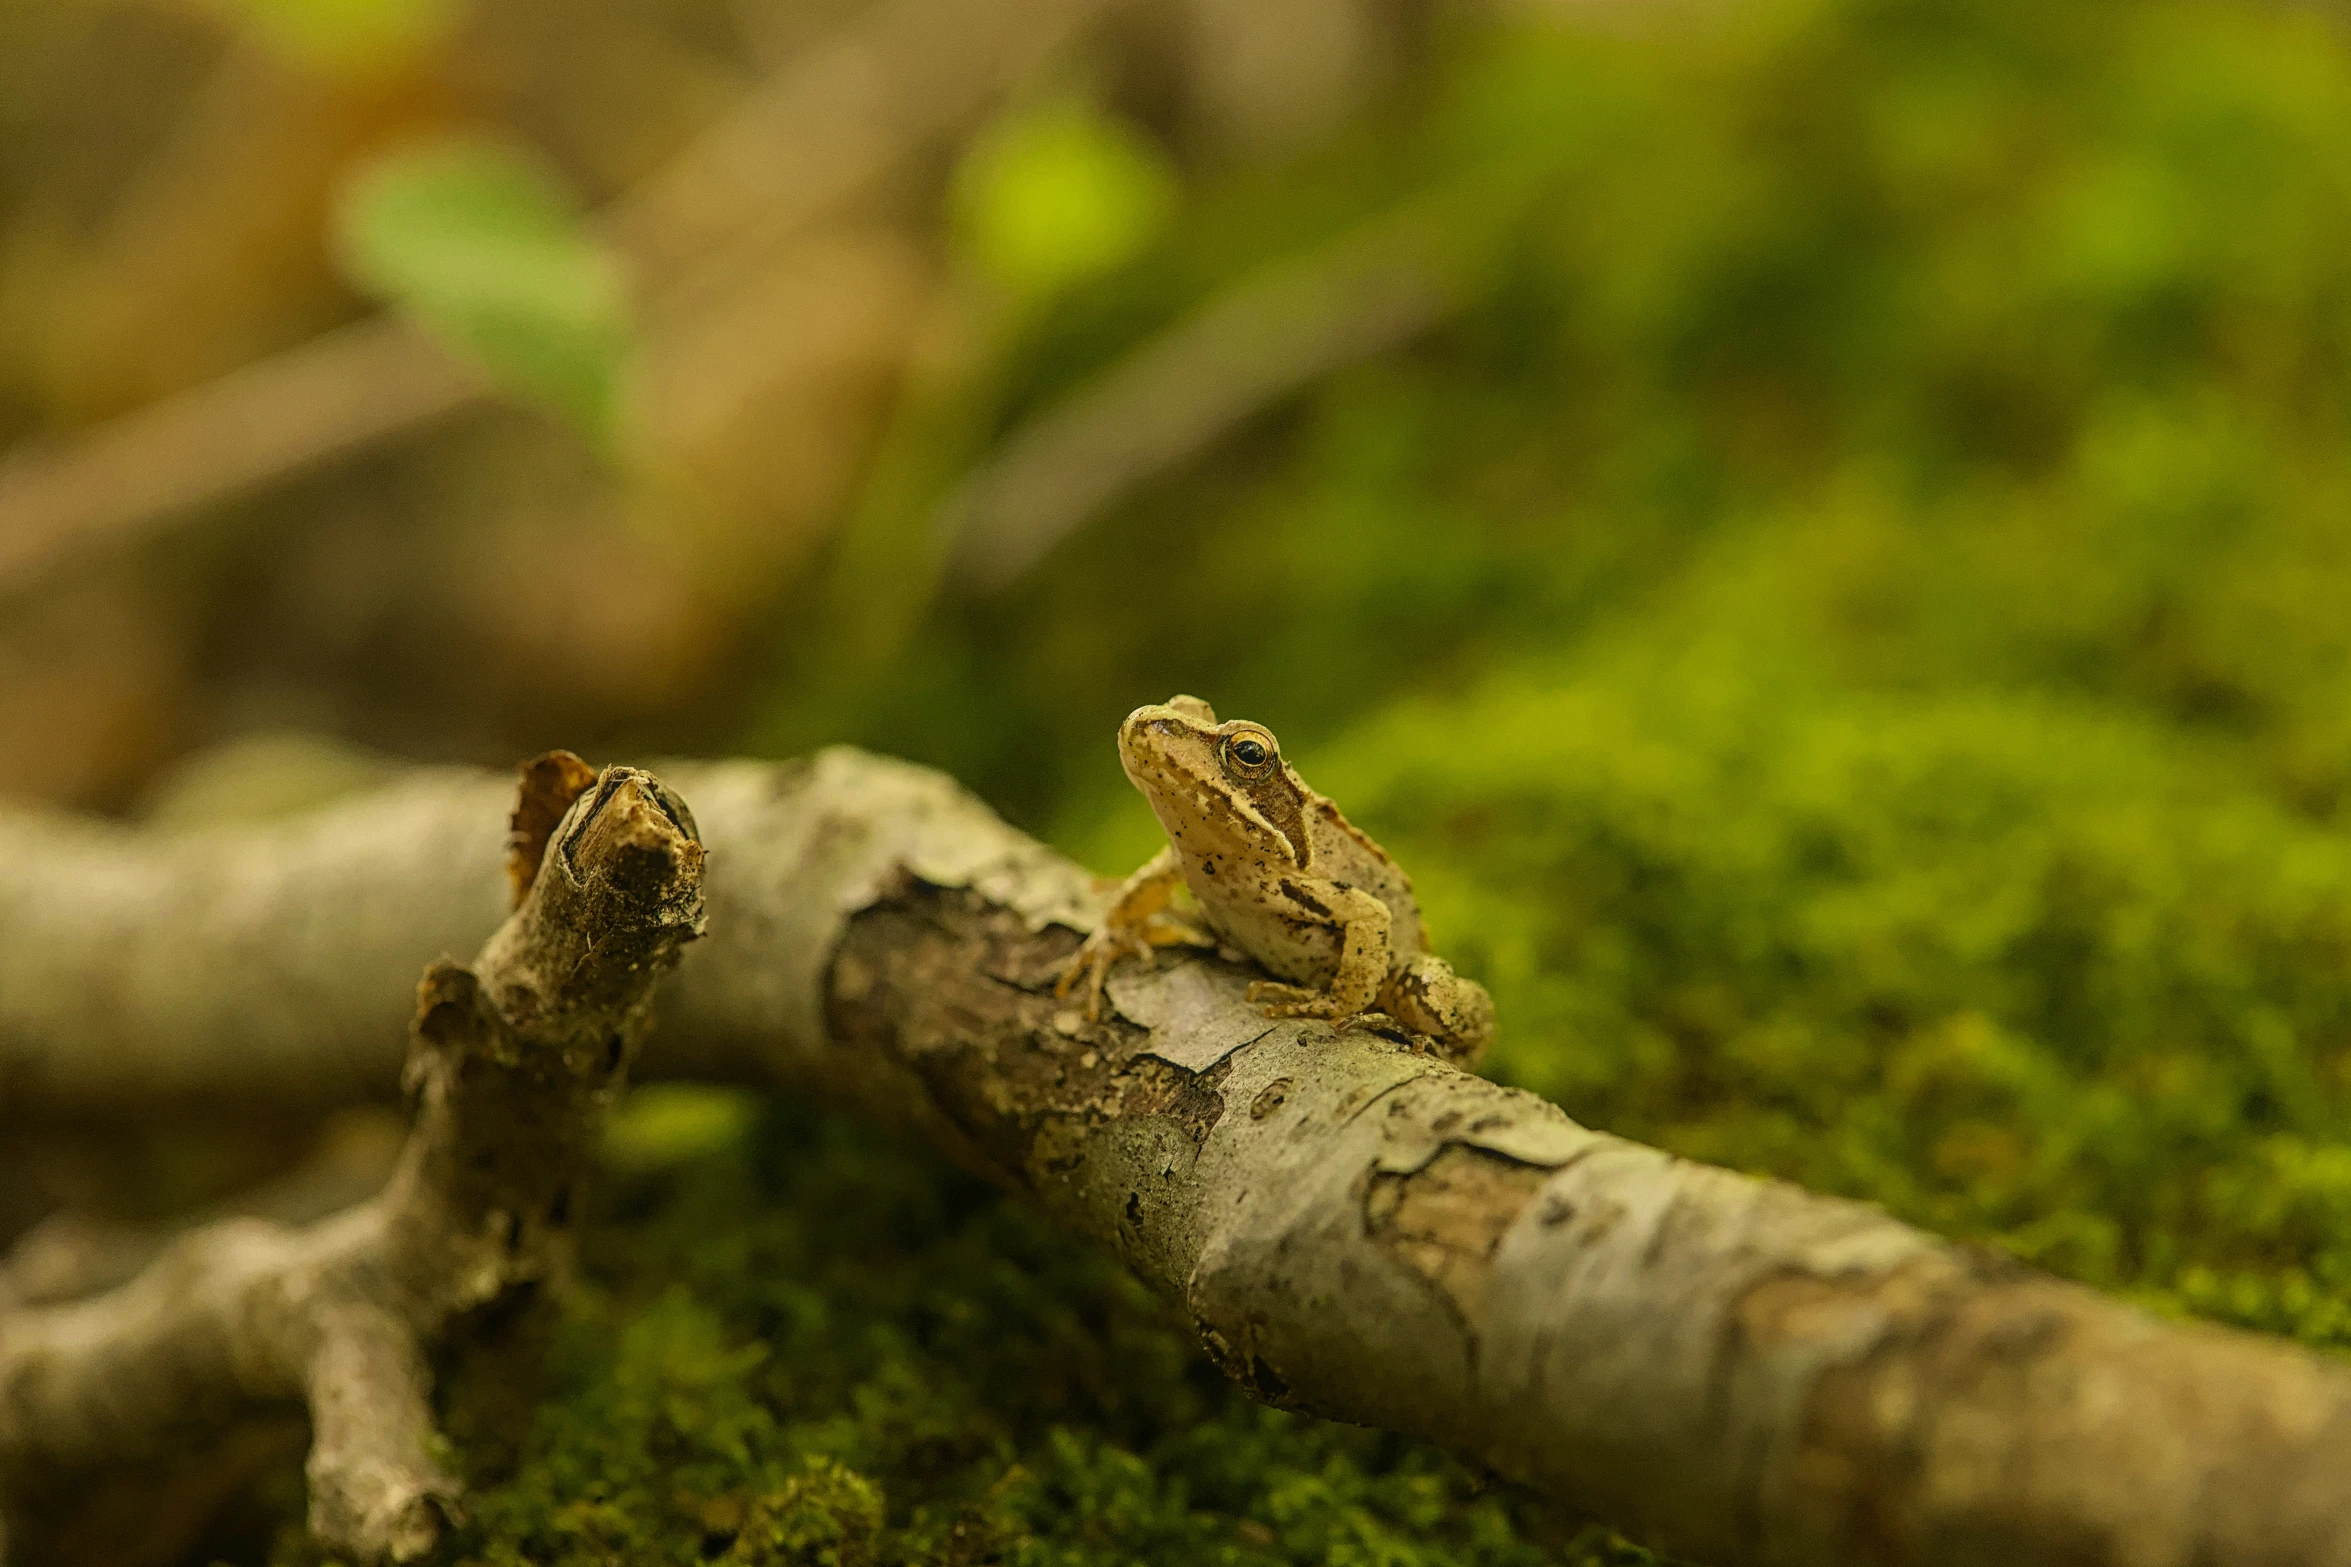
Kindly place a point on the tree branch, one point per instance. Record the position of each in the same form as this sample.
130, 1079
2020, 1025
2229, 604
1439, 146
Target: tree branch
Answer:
513, 1063
1738, 1370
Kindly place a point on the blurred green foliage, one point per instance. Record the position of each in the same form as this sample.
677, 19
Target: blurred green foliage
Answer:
2023, 331
477, 241
350, 35
1058, 194
1848, 630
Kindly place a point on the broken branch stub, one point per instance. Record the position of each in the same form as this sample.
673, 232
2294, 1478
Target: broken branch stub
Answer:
513, 1063
1738, 1370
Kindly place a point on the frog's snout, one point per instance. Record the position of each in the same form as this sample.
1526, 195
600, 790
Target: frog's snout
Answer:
1145, 740
1153, 718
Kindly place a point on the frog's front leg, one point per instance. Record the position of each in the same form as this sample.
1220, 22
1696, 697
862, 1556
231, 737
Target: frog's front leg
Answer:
1363, 955
1137, 921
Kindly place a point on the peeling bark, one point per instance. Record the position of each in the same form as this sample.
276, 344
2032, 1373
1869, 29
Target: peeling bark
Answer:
1734, 1369
513, 1063
1446, 1220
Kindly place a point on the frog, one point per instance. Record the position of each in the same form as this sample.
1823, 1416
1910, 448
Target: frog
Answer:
1278, 875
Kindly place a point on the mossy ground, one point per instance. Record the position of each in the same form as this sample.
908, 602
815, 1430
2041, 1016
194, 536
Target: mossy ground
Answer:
806, 1343
1849, 631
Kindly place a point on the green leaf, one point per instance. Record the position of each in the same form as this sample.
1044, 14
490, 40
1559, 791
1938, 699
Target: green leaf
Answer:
1054, 195
476, 240
660, 1125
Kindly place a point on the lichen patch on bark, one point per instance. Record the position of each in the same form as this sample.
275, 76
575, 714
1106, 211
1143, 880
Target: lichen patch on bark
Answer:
1446, 1220
1970, 1409
989, 1048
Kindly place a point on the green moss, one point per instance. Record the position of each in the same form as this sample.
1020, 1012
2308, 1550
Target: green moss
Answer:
814, 1345
2021, 968
825, 1516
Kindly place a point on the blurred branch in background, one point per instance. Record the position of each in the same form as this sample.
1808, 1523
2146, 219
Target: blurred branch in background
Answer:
839, 119
1051, 197
348, 389
836, 120
1269, 335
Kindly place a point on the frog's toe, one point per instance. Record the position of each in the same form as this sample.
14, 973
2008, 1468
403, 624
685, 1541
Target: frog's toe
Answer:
1094, 960
1081, 963
1088, 963
1270, 994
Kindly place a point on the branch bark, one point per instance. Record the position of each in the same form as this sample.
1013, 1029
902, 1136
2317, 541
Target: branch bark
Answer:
513, 1063
1735, 1369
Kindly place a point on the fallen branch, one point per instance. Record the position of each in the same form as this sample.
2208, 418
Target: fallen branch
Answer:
1738, 1370
513, 1063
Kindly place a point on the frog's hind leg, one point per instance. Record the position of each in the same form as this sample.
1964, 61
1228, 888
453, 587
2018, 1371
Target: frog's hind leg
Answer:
1455, 1013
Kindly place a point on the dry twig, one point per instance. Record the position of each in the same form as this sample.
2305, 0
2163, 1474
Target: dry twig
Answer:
309, 405
513, 1063
1739, 1370
1264, 339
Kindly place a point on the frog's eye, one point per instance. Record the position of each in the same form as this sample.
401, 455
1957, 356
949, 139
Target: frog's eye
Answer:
1248, 754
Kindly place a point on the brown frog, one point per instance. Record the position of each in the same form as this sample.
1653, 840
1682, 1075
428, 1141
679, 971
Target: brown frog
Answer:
1280, 874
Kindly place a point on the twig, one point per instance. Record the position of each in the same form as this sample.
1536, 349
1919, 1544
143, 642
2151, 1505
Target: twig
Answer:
1260, 341
513, 1063
76, 1252
332, 395
1739, 1370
